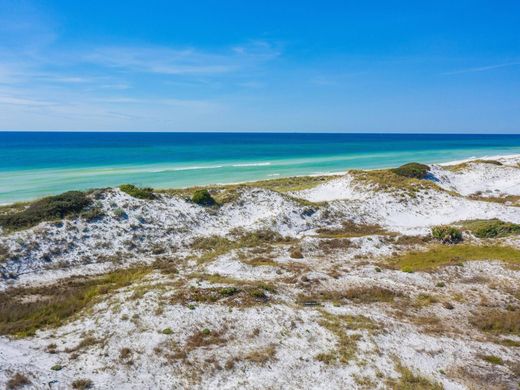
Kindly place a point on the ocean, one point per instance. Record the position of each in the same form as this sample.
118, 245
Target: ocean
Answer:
36, 164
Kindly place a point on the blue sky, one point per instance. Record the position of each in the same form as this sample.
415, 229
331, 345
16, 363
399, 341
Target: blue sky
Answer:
331, 66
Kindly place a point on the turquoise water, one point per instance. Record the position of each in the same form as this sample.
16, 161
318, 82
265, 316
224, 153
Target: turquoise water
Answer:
35, 164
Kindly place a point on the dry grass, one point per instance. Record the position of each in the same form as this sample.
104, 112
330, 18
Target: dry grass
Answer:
350, 229
462, 166
82, 384
231, 192
204, 338
25, 310
497, 321
215, 246
513, 200
441, 255
17, 381
346, 347
237, 293
260, 262
359, 295
388, 181
410, 381
262, 355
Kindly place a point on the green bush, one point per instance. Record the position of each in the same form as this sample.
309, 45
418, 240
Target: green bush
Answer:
447, 234
412, 170
46, 209
203, 198
492, 228
136, 192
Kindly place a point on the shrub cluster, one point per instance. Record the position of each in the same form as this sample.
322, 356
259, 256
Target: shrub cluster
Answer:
203, 198
412, 170
136, 192
46, 209
492, 228
447, 234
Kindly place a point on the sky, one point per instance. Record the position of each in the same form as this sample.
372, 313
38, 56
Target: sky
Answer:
321, 66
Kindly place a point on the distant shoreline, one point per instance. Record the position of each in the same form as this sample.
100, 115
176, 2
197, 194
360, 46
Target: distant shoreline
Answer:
338, 173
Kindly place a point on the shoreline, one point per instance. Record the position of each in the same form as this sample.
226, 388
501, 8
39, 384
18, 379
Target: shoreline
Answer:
274, 177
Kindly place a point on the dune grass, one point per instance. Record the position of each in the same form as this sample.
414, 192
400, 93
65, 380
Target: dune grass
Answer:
491, 228
23, 311
45, 209
388, 181
350, 229
440, 255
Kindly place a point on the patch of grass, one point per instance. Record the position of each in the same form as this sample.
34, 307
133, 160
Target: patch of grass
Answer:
491, 228
346, 343
46, 209
51, 306
464, 165
203, 198
215, 246
350, 229
359, 295
204, 338
262, 355
387, 181
242, 295
492, 359
57, 367
292, 184
512, 200
137, 192
447, 234
260, 262
17, 381
441, 255
410, 381
412, 170
497, 321
82, 384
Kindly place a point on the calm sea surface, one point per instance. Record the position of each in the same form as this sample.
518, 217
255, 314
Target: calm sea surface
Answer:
34, 164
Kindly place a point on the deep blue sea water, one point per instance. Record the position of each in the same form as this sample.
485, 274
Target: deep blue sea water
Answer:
34, 164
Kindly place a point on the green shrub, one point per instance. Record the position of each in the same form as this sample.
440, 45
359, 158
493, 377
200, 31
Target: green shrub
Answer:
447, 234
167, 331
203, 198
46, 209
136, 192
412, 170
56, 367
492, 228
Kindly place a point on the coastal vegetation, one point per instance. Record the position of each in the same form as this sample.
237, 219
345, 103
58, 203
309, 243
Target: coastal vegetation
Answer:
203, 198
447, 234
136, 192
51, 307
491, 228
441, 255
412, 170
46, 209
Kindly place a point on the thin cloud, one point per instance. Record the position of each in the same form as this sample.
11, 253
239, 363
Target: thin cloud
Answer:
481, 68
168, 61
